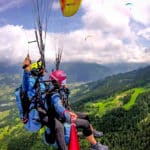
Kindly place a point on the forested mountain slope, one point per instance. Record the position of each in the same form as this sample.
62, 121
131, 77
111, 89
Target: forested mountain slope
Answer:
118, 105
110, 86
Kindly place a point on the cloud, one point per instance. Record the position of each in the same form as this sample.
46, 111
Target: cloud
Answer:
141, 12
56, 5
145, 33
7, 4
14, 44
115, 22
97, 48
109, 34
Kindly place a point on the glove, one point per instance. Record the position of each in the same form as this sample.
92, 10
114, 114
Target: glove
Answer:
27, 63
24, 120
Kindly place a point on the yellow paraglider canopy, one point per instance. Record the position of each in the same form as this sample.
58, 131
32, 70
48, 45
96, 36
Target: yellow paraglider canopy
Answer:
69, 7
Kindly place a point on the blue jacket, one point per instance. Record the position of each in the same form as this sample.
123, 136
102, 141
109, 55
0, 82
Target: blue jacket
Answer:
25, 79
59, 108
23, 88
28, 83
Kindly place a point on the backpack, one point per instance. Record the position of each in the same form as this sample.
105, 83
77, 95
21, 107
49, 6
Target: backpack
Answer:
28, 109
23, 102
64, 95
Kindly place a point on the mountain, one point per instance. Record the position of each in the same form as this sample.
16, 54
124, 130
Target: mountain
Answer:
125, 67
118, 105
112, 84
85, 72
79, 71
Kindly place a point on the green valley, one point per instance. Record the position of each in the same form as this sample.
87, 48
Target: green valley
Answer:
119, 106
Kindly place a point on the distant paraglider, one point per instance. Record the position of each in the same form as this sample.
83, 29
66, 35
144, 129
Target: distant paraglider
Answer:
126, 9
87, 37
128, 3
69, 7
129, 7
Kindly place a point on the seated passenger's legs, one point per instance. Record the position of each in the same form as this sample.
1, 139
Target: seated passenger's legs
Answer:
85, 116
85, 125
59, 128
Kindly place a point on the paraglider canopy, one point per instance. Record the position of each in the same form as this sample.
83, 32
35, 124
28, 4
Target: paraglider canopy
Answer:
129, 5
69, 7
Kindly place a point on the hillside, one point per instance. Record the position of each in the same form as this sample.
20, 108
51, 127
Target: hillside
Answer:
78, 71
119, 106
126, 124
13, 136
110, 86
85, 72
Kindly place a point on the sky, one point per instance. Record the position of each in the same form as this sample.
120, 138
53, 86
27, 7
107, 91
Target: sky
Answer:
102, 31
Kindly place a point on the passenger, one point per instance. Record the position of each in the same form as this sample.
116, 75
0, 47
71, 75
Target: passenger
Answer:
58, 79
64, 94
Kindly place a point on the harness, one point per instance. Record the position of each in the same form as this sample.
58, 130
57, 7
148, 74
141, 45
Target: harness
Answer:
38, 103
51, 110
46, 114
25, 102
64, 95
35, 103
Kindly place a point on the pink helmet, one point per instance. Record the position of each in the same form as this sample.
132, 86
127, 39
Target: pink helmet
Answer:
59, 75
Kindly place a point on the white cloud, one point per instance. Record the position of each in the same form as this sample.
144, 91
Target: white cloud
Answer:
141, 11
7, 4
14, 44
113, 18
106, 36
56, 5
145, 33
